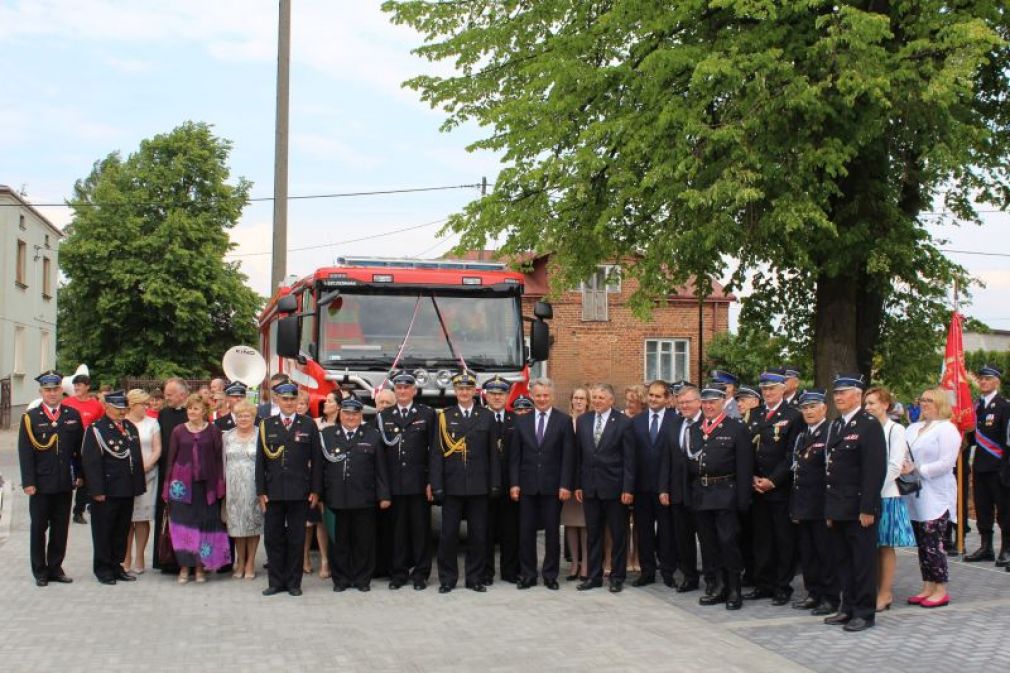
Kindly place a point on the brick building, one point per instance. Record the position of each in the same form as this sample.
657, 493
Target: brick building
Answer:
595, 336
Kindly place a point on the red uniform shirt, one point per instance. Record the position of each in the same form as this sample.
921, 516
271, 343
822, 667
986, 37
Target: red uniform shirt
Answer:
90, 411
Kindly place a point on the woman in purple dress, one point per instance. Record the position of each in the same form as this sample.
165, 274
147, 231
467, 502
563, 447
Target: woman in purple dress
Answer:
194, 490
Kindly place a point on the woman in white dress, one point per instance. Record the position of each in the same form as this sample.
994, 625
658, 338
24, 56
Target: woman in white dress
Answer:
242, 512
934, 443
143, 505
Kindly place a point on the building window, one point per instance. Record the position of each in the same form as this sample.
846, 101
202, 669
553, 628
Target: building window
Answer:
22, 261
47, 283
19, 351
21, 222
606, 280
666, 359
44, 364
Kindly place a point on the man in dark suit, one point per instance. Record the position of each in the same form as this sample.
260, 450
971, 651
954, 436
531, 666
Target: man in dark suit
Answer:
606, 483
408, 430
286, 446
855, 465
774, 533
171, 416
49, 450
989, 444
464, 473
503, 512
674, 488
653, 522
541, 475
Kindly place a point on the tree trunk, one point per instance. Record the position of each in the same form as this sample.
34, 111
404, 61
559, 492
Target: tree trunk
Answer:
836, 316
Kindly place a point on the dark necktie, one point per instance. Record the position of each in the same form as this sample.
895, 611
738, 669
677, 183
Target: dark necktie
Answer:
287, 423
654, 427
540, 428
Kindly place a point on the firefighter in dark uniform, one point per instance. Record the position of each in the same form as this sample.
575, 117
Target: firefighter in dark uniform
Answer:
114, 471
49, 450
236, 392
792, 382
720, 467
408, 435
854, 468
773, 531
503, 513
284, 451
750, 404
464, 472
349, 474
806, 507
988, 446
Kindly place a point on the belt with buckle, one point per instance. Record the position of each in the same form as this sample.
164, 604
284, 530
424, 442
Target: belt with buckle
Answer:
707, 480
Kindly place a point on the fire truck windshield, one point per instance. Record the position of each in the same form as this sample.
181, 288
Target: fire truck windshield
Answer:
367, 331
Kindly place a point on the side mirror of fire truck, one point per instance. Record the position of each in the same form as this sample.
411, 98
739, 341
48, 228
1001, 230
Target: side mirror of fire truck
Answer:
287, 304
539, 340
288, 337
543, 310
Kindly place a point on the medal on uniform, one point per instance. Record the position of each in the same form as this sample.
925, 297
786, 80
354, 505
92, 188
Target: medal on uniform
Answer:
708, 428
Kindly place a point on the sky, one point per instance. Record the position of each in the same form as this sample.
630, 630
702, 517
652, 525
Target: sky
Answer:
83, 78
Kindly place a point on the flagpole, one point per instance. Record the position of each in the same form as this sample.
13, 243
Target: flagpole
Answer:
962, 513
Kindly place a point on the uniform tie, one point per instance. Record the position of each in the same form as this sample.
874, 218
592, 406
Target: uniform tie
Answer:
654, 427
286, 422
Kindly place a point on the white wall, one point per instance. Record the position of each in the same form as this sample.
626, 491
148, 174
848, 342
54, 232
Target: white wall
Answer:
27, 319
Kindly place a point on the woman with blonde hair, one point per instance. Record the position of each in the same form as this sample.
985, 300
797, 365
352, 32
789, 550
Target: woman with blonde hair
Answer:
894, 528
138, 403
933, 444
242, 512
572, 516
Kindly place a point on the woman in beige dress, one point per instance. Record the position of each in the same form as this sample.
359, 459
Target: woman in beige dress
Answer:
572, 516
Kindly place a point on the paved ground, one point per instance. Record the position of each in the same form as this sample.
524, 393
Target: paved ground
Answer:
155, 625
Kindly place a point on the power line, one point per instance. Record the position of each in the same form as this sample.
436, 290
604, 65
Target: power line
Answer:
352, 240
302, 197
975, 252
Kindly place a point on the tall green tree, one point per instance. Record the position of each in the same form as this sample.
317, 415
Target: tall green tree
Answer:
148, 291
800, 142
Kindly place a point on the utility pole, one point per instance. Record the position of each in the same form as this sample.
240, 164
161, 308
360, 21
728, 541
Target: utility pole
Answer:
278, 270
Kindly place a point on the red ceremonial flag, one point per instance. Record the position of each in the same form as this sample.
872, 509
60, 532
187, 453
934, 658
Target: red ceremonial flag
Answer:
955, 377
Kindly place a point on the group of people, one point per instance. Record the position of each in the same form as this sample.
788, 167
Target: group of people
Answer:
758, 477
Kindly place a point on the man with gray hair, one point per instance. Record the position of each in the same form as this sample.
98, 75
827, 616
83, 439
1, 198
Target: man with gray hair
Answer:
605, 483
541, 477
172, 415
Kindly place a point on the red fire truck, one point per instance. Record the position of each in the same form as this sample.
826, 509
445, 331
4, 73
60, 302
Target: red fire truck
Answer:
350, 324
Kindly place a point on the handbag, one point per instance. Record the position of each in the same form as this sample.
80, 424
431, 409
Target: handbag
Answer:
910, 483
166, 552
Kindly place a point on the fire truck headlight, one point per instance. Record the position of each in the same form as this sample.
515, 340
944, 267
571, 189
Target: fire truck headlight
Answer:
421, 375
444, 379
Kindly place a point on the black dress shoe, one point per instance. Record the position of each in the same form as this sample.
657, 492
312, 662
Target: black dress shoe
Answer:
510, 580
364, 587
444, 588
644, 581
571, 578
337, 588
60, 579
713, 599
668, 581
780, 598
734, 601
395, 584
107, 580
523, 584
420, 585
687, 585
79, 518
125, 577
41, 582
823, 609
552, 585
858, 624
294, 592
808, 603
756, 594
271, 591
478, 587
616, 586
586, 585
838, 619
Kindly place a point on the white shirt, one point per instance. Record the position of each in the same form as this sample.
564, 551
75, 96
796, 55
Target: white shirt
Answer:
986, 399
347, 431
287, 420
935, 454
603, 416
466, 411
657, 412
683, 428
546, 414
897, 452
499, 415
811, 429
403, 410
849, 416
